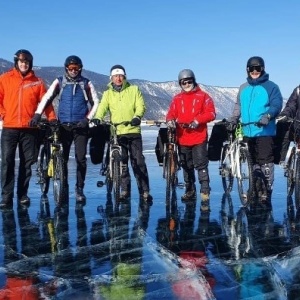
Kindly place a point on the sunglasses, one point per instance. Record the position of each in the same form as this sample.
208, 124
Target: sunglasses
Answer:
186, 82
256, 68
73, 69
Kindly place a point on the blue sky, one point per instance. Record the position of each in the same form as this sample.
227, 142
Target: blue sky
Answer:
154, 40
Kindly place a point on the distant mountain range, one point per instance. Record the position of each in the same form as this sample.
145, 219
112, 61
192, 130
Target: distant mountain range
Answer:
157, 94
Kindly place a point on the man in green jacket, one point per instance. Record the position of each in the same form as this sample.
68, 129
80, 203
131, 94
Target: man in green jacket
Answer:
124, 102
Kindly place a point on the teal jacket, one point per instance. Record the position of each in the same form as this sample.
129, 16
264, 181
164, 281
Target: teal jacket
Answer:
255, 98
122, 106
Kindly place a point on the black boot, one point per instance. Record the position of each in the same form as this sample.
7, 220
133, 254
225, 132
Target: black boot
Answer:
190, 192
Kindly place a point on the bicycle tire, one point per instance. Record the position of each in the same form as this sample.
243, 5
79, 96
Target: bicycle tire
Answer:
116, 175
170, 171
225, 170
289, 172
297, 183
59, 178
44, 179
242, 233
245, 183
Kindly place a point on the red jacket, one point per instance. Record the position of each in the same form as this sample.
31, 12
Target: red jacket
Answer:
187, 107
19, 98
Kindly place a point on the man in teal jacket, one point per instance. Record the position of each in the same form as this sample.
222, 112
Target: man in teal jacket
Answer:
259, 101
125, 102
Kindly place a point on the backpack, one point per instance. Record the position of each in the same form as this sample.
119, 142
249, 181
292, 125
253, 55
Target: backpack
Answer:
63, 82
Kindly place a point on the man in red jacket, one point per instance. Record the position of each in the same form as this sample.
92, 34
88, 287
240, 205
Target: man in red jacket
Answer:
189, 112
20, 93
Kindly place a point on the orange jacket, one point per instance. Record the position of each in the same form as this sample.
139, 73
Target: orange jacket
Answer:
19, 98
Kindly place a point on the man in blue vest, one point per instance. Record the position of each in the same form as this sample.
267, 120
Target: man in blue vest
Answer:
77, 103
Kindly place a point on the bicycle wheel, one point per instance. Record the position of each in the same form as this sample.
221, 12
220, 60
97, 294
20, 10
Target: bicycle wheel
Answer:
116, 175
169, 173
225, 169
297, 183
42, 170
59, 180
289, 172
245, 181
243, 245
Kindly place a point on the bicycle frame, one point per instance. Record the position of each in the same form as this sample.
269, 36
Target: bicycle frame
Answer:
233, 157
112, 165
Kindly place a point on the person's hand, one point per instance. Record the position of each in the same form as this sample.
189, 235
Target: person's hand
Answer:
136, 121
35, 120
193, 125
171, 124
230, 126
95, 122
264, 120
83, 123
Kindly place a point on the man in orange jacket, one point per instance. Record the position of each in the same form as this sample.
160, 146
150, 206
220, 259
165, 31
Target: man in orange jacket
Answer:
20, 92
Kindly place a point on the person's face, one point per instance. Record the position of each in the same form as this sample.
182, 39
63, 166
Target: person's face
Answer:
117, 79
23, 65
255, 71
73, 70
187, 84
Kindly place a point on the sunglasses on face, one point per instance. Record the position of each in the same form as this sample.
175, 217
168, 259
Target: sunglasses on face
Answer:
73, 69
256, 68
186, 82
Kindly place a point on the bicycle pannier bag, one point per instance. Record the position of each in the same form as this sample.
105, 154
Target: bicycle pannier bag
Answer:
162, 139
99, 135
215, 143
284, 134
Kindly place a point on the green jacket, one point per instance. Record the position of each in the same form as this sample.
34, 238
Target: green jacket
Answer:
122, 106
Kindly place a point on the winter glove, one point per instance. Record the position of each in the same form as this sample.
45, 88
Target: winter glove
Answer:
193, 125
34, 121
230, 126
95, 122
136, 121
84, 123
171, 124
265, 119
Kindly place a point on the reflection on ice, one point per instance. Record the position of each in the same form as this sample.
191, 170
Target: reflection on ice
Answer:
139, 251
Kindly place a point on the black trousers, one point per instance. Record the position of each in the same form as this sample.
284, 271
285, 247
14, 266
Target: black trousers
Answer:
26, 142
261, 149
132, 147
194, 158
79, 136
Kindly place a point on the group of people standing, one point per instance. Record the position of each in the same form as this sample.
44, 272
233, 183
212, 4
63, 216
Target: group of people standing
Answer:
24, 99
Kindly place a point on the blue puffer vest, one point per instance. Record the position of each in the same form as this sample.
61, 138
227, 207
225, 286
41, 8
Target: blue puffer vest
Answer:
73, 106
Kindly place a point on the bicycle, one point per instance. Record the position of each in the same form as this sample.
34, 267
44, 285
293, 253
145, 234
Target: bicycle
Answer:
51, 163
170, 162
112, 165
236, 163
292, 165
